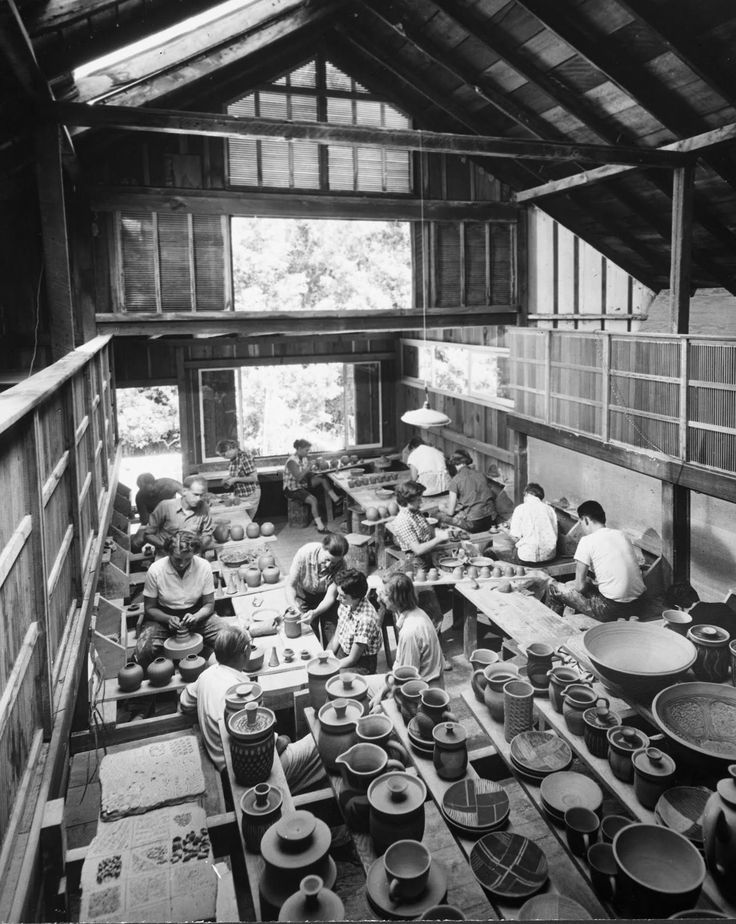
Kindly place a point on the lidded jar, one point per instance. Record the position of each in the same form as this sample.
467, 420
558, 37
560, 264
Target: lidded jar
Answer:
396, 803
313, 902
251, 743
296, 846
598, 720
319, 671
261, 807
238, 696
623, 741
348, 686
711, 643
654, 772
450, 755
338, 721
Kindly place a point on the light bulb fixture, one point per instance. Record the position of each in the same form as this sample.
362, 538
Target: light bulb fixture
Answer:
424, 416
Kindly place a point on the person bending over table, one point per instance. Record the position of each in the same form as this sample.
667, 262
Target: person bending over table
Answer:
357, 639
683, 596
300, 480
310, 586
427, 466
470, 503
151, 491
206, 696
418, 645
618, 589
242, 476
533, 528
189, 512
179, 590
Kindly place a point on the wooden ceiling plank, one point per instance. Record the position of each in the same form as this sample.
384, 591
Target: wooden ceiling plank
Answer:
215, 125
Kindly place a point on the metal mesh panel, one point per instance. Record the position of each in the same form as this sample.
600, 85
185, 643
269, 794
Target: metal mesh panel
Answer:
643, 432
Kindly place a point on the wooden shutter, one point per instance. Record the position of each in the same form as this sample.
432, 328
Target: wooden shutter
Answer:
175, 270
209, 262
139, 274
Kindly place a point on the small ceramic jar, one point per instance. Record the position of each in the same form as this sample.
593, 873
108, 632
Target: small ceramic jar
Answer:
654, 772
711, 643
598, 721
623, 741
261, 808
450, 755
160, 672
130, 677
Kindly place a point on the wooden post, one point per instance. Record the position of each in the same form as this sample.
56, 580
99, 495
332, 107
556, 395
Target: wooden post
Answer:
521, 465
682, 210
676, 531
522, 264
57, 269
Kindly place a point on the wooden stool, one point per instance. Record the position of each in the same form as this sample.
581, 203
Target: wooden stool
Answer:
357, 515
357, 556
297, 513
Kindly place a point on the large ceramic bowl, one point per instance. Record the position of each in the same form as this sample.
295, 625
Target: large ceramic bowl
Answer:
638, 657
700, 718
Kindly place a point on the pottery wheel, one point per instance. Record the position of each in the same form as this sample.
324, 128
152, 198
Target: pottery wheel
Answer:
376, 886
182, 644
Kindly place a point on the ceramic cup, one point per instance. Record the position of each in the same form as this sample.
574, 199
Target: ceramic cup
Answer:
677, 620
407, 866
482, 657
603, 868
288, 654
611, 825
581, 829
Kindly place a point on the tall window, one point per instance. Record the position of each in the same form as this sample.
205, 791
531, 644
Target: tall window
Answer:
318, 92
335, 406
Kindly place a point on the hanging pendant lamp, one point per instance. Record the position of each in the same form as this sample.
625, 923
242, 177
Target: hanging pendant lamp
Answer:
424, 416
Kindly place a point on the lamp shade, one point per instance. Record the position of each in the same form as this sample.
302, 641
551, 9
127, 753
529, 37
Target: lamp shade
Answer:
424, 416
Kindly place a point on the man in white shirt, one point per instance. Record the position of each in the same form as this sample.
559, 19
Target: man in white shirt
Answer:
618, 588
533, 527
428, 467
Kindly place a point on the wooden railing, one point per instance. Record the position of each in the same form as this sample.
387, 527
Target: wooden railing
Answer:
58, 456
669, 395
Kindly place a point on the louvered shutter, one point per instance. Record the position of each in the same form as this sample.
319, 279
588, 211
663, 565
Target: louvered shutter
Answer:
209, 262
476, 270
174, 268
447, 263
139, 277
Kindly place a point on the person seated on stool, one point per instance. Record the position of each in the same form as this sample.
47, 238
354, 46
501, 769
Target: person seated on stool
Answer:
418, 645
189, 512
206, 696
683, 596
179, 590
242, 476
310, 586
533, 528
470, 503
618, 590
300, 480
427, 466
357, 639
151, 491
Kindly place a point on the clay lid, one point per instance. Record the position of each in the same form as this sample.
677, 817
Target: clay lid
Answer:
340, 714
297, 841
261, 799
727, 788
347, 686
238, 695
708, 635
449, 735
653, 763
251, 723
324, 665
397, 793
626, 738
600, 716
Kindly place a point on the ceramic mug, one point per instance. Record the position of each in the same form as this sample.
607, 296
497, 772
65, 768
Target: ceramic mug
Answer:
581, 829
603, 868
677, 620
407, 866
611, 825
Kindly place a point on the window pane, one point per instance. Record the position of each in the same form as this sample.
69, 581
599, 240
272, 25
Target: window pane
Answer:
425, 363
489, 375
451, 369
219, 408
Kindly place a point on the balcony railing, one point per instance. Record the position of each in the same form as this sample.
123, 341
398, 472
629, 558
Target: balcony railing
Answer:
670, 395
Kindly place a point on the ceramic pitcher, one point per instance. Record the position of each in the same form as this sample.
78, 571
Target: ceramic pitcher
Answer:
363, 763
576, 698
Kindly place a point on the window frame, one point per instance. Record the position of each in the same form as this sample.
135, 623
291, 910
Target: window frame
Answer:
293, 361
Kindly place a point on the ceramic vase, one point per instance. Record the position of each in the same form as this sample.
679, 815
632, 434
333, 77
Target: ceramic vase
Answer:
518, 708
293, 625
266, 561
261, 807
271, 575
160, 672
130, 677
191, 667
253, 576
221, 533
251, 743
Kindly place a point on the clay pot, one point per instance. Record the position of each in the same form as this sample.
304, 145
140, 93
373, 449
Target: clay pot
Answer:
238, 696
297, 845
237, 533
489, 683
393, 508
654, 772
160, 672
130, 677
337, 723
191, 667
458, 573
267, 529
313, 902
421, 576
383, 513
378, 729
539, 663
623, 741
182, 643
348, 686
396, 809
559, 678
408, 696
251, 743
719, 831
255, 659
576, 698
319, 671
450, 755
266, 561
261, 807
434, 704
485, 572
473, 572
372, 514
252, 530
221, 533
711, 644
253, 576
271, 575
362, 763
597, 722
292, 625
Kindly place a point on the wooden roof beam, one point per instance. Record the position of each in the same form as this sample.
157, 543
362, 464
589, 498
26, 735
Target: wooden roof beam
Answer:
221, 126
693, 145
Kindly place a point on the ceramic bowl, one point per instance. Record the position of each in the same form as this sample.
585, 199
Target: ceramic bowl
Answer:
639, 657
700, 718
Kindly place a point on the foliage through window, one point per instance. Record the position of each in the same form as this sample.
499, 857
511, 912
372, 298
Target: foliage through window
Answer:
284, 264
318, 92
457, 369
335, 406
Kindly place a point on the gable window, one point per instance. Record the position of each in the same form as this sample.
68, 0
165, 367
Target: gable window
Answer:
318, 92
335, 406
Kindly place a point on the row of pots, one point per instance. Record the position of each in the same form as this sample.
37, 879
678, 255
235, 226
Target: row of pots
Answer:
159, 672
223, 531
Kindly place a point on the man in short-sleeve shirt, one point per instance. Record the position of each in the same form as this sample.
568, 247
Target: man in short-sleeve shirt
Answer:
189, 513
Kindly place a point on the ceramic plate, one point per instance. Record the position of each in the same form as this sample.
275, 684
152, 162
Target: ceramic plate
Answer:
508, 865
552, 907
540, 752
376, 886
563, 790
476, 804
699, 716
681, 809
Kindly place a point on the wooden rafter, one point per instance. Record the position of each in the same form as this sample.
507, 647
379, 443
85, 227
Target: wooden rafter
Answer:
221, 126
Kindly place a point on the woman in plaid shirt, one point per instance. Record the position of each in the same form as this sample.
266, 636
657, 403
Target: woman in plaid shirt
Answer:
242, 474
357, 640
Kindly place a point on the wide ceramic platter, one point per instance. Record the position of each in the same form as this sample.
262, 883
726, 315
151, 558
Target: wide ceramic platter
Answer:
540, 752
701, 716
476, 804
681, 809
568, 789
508, 865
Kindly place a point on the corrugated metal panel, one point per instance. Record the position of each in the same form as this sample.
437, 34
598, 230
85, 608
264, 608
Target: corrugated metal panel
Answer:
173, 248
139, 278
209, 264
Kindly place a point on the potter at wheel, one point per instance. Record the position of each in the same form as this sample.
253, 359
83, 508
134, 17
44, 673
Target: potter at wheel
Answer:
376, 885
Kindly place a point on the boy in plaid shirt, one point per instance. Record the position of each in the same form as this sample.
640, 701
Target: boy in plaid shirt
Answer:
242, 476
357, 640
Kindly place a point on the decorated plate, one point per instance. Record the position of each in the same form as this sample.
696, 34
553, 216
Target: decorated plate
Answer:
563, 790
681, 809
508, 865
540, 752
552, 907
476, 804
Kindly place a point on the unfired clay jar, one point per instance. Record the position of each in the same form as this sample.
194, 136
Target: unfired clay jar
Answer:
252, 530
271, 575
319, 671
253, 576
160, 672
396, 809
237, 533
130, 677
191, 667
